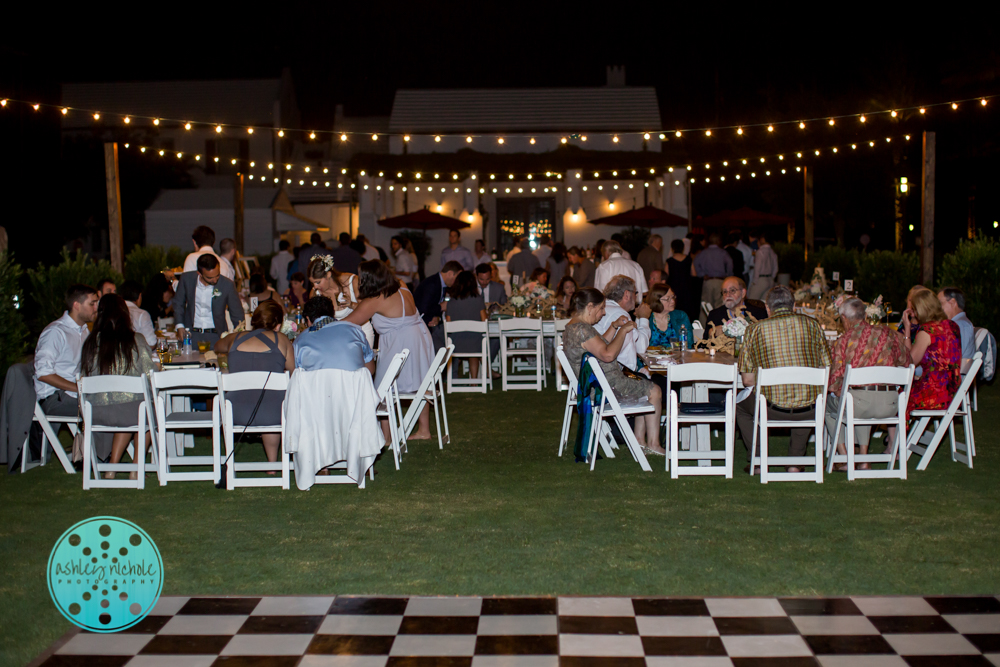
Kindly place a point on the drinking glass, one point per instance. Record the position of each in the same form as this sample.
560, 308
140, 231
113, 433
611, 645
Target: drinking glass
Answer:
203, 346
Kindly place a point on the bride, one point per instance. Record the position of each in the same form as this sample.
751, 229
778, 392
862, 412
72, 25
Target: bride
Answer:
341, 288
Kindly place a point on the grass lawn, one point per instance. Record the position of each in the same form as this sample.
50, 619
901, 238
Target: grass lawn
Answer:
497, 513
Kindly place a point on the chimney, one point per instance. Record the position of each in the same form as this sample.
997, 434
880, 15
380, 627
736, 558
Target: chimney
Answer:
616, 76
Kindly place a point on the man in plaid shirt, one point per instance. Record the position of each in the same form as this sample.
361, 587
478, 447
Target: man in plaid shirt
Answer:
783, 339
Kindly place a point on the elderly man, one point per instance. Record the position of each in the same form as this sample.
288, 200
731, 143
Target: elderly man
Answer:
713, 265
953, 304
783, 339
456, 252
202, 299
615, 264
581, 269
863, 345
651, 257
765, 268
734, 292
621, 296
522, 264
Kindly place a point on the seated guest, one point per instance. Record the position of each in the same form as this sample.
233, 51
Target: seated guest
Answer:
581, 336
564, 292
156, 298
665, 320
492, 290
429, 295
264, 348
953, 304
540, 277
260, 290
734, 293
908, 314
298, 292
113, 348
465, 303
862, 345
936, 350
141, 321
783, 339
106, 286
329, 342
620, 293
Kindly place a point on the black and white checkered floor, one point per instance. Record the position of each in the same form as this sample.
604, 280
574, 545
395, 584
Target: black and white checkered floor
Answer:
548, 631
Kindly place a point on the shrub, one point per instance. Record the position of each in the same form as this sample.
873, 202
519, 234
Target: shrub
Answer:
791, 259
49, 283
974, 268
13, 333
888, 273
833, 258
144, 262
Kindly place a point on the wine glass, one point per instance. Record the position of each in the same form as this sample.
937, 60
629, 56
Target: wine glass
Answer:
888, 311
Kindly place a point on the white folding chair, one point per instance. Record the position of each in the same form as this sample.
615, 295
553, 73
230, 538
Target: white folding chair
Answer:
256, 381
165, 385
676, 416
573, 387
49, 437
560, 327
470, 384
611, 407
430, 391
521, 328
389, 404
697, 331
91, 466
981, 334
785, 375
706, 308
944, 421
894, 456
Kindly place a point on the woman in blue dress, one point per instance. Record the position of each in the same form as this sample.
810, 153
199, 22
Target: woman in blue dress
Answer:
666, 320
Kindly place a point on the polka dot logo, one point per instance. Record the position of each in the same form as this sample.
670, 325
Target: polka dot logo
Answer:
105, 574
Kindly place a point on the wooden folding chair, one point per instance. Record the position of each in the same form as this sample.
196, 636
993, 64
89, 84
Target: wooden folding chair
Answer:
676, 416
944, 421
390, 406
92, 468
611, 407
256, 381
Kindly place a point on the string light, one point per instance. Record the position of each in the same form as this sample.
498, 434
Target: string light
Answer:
35, 106
187, 126
708, 133
739, 130
468, 140
615, 138
893, 113
156, 121
770, 128
218, 129
954, 105
437, 139
662, 136
312, 135
831, 121
406, 137
3, 103
645, 136
677, 134
127, 120
500, 140
802, 125
922, 110
374, 137
65, 111
863, 119
983, 101
532, 140
97, 116
281, 133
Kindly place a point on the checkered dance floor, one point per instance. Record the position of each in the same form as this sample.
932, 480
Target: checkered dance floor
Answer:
543, 631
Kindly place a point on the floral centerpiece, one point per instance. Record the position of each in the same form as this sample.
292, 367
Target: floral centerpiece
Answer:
532, 297
727, 338
874, 311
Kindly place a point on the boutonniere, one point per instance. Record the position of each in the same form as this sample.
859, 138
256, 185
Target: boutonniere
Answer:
216, 292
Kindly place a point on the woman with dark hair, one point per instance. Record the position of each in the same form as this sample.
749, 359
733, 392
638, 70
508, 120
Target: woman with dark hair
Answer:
156, 298
264, 348
260, 290
113, 348
666, 320
297, 293
679, 269
341, 288
540, 276
464, 302
581, 337
564, 292
557, 263
391, 311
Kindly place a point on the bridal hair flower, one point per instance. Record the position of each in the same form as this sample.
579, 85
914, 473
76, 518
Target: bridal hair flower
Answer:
327, 261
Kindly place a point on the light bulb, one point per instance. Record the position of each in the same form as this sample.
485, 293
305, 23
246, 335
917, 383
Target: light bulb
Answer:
737, 177
646, 136
744, 161
722, 178
325, 169
576, 216
670, 170
187, 126
197, 157
500, 140
468, 140
583, 138
532, 141
233, 161
798, 169
127, 120
762, 159
362, 172
563, 140
798, 155
854, 146
399, 175
922, 110
374, 137
662, 136
97, 116
954, 105
469, 217
677, 134
802, 125
615, 139
739, 130
343, 171
307, 168
893, 113
725, 163
510, 176
871, 143
218, 129
288, 166
418, 175
35, 106
770, 128
907, 137
529, 177
65, 111
249, 130
817, 152
162, 152
142, 149
270, 165
652, 171
3, 103
708, 133
983, 101
863, 119
437, 139
179, 155
611, 205
156, 121
708, 166
281, 133
406, 137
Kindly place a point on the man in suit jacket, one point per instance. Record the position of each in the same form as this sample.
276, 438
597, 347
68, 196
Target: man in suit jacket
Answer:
201, 301
492, 291
429, 295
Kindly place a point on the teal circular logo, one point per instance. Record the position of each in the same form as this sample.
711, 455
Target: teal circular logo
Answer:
105, 574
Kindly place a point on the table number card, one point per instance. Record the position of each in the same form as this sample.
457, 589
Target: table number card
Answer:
836, 276
848, 285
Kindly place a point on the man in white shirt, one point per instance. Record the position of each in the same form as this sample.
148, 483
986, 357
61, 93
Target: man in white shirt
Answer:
482, 257
203, 297
371, 252
57, 355
747, 252
203, 238
106, 286
544, 249
456, 252
614, 265
765, 269
279, 266
142, 323
227, 256
404, 267
620, 295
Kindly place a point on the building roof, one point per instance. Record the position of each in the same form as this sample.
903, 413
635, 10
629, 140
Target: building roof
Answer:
203, 199
612, 108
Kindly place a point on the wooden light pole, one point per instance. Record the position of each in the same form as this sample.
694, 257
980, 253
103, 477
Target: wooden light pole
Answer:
927, 211
238, 212
810, 221
114, 206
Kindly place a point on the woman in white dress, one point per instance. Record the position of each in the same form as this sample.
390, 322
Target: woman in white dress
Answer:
340, 288
389, 305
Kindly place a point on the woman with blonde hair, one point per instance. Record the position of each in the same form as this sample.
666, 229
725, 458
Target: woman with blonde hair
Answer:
341, 288
936, 350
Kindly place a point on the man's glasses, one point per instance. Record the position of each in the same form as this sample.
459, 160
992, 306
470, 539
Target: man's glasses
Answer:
731, 292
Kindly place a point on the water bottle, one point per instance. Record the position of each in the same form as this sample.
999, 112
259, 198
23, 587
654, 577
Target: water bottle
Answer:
684, 337
187, 342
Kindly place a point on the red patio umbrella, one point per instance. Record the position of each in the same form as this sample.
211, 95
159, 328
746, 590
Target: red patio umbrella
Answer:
743, 217
648, 216
424, 220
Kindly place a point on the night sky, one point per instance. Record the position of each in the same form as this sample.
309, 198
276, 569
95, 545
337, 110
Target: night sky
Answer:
732, 65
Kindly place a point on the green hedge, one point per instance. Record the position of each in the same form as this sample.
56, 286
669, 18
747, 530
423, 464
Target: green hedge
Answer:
49, 283
144, 262
833, 259
974, 267
888, 273
13, 333
791, 259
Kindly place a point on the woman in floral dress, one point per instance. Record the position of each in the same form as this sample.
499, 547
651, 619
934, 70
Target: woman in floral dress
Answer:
936, 350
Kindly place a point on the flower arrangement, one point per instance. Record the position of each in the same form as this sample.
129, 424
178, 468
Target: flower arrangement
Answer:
874, 311
290, 329
519, 300
735, 327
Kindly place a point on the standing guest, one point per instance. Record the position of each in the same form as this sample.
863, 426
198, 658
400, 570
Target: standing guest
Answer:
466, 303
581, 336
564, 292
862, 345
666, 321
429, 295
370, 251
456, 252
765, 268
651, 257
297, 293
341, 288
346, 258
616, 264
142, 323
405, 267
279, 266
618, 238
492, 290
713, 265
522, 264
394, 315
655, 276
202, 299
936, 350
734, 304
310, 250
598, 252
735, 254
480, 254
106, 286
783, 339
57, 357
264, 348
543, 250
227, 257
261, 291
679, 269
747, 258
157, 297
581, 269
113, 348
203, 238
620, 294
952, 302
557, 264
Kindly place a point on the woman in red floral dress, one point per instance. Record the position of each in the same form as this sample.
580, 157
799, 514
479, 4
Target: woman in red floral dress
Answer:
936, 350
